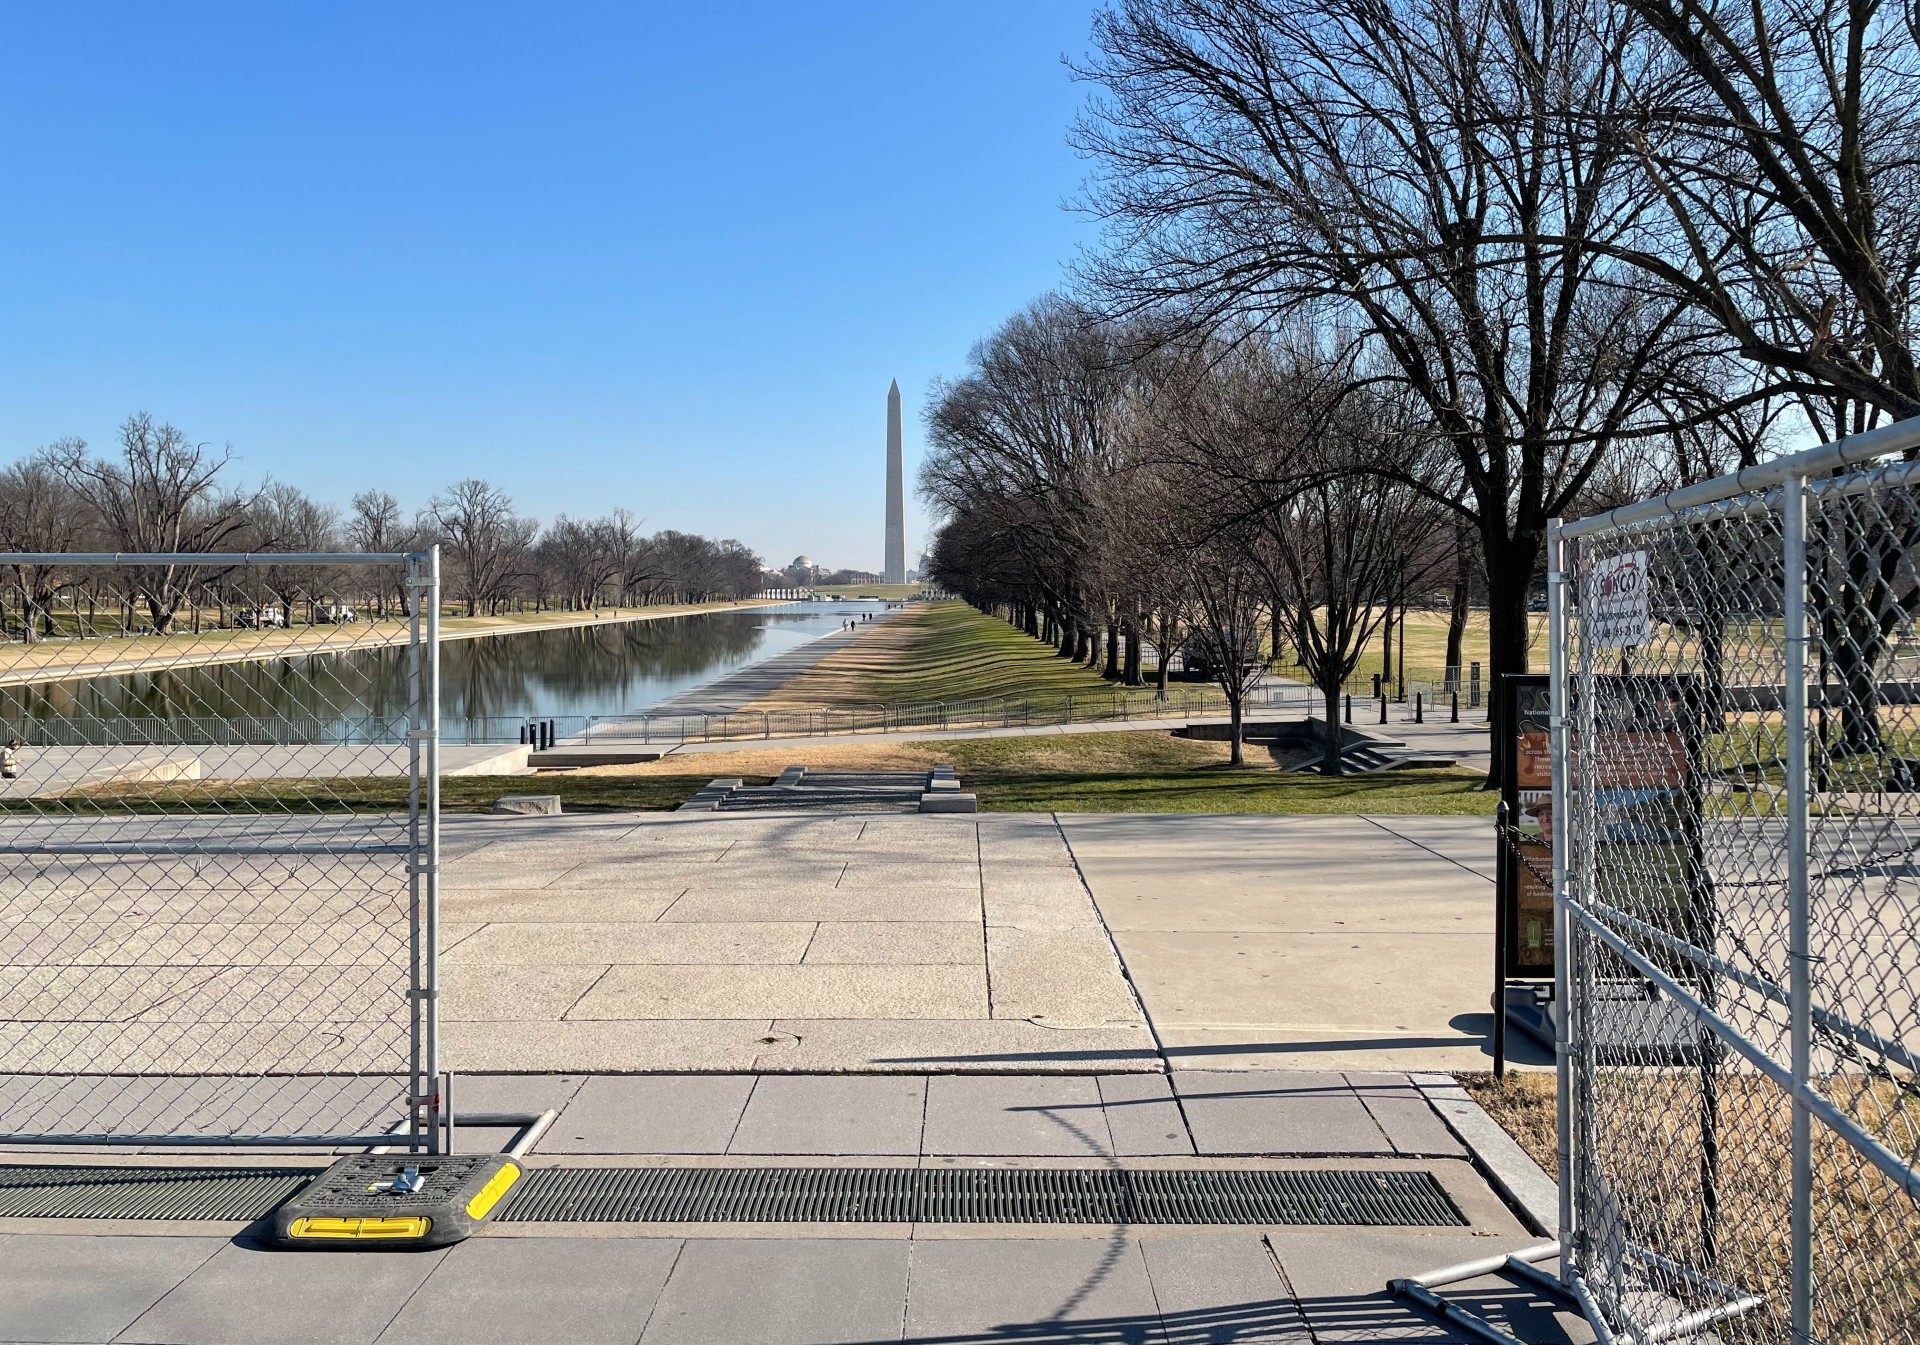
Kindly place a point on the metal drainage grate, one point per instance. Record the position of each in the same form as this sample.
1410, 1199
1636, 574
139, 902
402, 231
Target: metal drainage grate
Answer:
76, 1192
982, 1195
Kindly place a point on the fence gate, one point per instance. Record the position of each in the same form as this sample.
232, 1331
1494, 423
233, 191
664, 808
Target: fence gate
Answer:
1736, 674
218, 886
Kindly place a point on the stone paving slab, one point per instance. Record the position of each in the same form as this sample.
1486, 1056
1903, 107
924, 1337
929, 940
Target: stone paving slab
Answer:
848, 991
506, 1291
1289, 942
833, 1114
960, 1045
250, 1294
1143, 1116
890, 942
978, 1290
1248, 1113
650, 1114
86, 1289
763, 1292
1016, 1115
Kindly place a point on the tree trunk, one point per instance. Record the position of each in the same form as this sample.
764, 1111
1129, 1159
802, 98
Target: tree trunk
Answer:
1132, 677
1330, 761
1233, 711
1160, 656
1112, 671
1509, 579
1457, 611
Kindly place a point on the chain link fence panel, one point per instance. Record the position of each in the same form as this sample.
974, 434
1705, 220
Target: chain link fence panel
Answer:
203, 941
1736, 816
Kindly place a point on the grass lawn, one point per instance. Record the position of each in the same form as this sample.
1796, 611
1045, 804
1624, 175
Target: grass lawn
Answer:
1132, 771
1427, 648
945, 651
1148, 771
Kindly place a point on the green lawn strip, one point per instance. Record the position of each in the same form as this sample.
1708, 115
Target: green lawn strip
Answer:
1222, 789
959, 653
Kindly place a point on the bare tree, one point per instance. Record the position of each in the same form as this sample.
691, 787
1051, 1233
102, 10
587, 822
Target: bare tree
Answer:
40, 512
159, 495
477, 523
1438, 179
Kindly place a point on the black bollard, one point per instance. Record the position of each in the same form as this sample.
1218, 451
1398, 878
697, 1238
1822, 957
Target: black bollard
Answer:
1349, 709
1383, 709
1456, 707
1419, 707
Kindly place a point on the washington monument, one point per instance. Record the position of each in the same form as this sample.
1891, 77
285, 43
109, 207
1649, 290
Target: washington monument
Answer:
895, 569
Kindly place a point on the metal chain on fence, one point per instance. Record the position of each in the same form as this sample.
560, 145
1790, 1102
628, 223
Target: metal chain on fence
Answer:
1737, 813
218, 832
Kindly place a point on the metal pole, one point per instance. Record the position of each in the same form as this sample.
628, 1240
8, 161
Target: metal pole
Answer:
416, 807
1562, 947
431, 878
1800, 986
1500, 852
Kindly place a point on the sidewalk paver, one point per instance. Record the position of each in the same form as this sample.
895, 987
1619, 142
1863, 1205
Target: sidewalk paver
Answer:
1016, 1115
88, 1289
651, 1114
1143, 1116
508, 1291
1249, 1112
833, 1114
249, 1294
782, 1292
1262, 942
1221, 1287
1087, 1289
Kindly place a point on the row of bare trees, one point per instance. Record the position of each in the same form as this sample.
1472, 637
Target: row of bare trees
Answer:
1517, 259
160, 493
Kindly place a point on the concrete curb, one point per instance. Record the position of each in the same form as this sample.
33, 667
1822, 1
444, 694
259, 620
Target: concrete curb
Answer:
1521, 1181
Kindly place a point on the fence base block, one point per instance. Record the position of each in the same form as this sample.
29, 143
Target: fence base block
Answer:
372, 1202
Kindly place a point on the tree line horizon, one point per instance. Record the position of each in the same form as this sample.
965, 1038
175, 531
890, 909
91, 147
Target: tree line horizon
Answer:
162, 493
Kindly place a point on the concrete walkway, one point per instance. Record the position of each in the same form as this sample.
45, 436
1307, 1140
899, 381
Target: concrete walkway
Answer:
787, 942
1286, 942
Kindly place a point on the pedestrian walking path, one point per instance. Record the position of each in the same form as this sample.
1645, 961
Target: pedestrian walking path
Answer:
728, 694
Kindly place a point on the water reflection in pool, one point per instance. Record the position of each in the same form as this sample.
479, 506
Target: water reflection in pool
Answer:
488, 686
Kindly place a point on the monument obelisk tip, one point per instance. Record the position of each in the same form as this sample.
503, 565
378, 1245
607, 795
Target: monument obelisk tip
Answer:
894, 570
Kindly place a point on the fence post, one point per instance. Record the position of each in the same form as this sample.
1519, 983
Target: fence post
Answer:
1562, 926
1800, 969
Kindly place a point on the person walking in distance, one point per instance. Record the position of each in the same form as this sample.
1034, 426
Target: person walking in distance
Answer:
10, 760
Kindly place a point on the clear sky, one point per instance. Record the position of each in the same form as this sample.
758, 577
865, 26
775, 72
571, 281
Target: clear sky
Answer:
659, 255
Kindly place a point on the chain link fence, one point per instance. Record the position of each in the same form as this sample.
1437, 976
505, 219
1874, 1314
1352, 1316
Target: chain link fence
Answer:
1735, 814
202, 941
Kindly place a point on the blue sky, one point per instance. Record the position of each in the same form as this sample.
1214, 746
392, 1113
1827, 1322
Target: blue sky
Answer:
665, 256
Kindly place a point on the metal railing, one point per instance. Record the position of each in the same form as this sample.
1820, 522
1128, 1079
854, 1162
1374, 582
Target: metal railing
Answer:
1735, 822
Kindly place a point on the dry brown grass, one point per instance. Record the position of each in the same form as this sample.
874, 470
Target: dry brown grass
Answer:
1867, 1236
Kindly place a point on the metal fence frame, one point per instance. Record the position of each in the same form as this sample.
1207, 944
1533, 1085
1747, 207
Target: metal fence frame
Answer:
420, 1127
1586, 926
